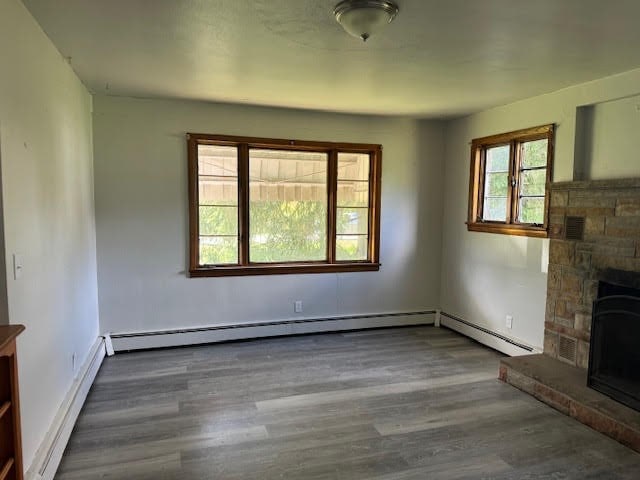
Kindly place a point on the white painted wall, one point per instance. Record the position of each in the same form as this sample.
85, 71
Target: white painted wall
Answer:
47, 192
142, 228
611, 138
488, 276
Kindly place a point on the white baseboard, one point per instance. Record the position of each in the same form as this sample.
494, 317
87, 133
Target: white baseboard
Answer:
49, 454
497, 341
222, 333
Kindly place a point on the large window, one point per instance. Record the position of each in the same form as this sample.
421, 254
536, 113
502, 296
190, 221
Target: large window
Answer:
510, 175
264, 206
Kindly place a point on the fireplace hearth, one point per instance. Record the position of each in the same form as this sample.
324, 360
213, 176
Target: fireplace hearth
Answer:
614, 360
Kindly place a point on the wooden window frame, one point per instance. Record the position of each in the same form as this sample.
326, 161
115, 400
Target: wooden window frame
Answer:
514, 139
244, 266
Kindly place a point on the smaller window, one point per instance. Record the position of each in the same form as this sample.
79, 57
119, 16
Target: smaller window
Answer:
510, 175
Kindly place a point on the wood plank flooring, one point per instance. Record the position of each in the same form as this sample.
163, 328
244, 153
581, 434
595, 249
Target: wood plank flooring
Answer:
393, 404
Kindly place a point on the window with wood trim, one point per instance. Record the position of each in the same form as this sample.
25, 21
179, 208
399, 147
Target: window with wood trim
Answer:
509, 184
265, 206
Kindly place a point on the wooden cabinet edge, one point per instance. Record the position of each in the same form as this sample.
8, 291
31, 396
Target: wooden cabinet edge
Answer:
5, 408
6, 468
11, 406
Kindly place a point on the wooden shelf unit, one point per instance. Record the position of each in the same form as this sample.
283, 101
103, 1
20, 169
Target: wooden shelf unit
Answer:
10, 435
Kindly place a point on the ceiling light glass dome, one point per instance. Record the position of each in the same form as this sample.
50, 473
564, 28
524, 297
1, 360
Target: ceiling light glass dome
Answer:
363, 18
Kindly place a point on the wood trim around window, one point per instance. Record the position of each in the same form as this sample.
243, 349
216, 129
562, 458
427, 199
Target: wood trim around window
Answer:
513, 139
244, 265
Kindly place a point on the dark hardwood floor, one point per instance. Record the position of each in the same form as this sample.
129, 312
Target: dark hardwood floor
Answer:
398, 404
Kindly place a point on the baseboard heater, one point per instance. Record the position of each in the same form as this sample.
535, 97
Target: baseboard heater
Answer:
220, 333
485, 336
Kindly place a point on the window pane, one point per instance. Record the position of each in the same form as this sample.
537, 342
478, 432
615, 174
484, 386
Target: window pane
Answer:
218, 191
353, 166
218, 250
218, 200
352, 224
351, 247
497, 159
352, 220
353, 180
218, 220
534, 154
531, 210
287, 206
217, 175
352, 194
495, 209
496, 185
217, 160
532, 182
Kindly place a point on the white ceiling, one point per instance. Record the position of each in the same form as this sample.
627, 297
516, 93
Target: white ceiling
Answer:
438, 57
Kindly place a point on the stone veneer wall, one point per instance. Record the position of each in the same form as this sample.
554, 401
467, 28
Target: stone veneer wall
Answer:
611, 241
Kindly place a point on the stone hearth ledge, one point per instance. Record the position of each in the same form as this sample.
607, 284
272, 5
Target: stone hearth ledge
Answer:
564, 387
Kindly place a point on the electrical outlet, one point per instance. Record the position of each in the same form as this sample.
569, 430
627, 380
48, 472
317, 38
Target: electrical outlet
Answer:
509, 321
297, 306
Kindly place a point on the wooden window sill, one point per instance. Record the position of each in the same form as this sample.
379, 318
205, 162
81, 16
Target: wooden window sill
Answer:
509, 229
283, 269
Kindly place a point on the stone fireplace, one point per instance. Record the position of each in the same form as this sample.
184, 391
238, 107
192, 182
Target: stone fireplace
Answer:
607, 239
594, 245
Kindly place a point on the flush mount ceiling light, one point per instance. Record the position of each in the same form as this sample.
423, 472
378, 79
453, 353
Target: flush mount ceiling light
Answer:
362, 18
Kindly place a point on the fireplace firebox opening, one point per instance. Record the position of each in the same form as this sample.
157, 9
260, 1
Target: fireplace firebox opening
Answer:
614, 358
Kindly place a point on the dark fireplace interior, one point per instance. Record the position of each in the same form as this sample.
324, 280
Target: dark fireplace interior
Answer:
614, 359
